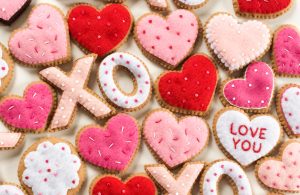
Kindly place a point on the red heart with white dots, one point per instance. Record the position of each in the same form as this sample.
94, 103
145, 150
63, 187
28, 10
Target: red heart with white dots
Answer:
100, 32
192, 89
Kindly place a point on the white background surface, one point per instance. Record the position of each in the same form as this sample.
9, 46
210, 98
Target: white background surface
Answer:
9, 159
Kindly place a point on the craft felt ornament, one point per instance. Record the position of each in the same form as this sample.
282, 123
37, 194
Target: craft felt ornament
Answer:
10, 140
75, 91
100, 31
245, 139
11, 189
10, 10
190, 4
6, 68
182, 183
159, 5
141, 93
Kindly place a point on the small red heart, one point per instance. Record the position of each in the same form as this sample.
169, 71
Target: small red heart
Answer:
100, 32
191, 89
112, 185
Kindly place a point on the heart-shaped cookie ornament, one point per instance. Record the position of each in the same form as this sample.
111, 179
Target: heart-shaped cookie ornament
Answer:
288, 109
11, 10
31, 112
100, 31
167, 40
191, 90
236, 44
190, 4
245, 139
281, 173
135, 185
254, 93
44, 41
261, 8
175, 141
112, 147
286, 51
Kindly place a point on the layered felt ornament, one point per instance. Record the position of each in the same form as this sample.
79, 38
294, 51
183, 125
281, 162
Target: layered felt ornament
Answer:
6, 68
190, 4
11, 189
158, 5
11, 10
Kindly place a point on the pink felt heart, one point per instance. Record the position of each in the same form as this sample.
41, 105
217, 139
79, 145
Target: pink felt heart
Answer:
111, 147
253, 92
10, 9
169, 40
175, 142
45, 39
284, 173
31, 112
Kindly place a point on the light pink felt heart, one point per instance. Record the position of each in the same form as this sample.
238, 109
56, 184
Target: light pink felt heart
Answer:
169, 40
284, 173
30, 113
175, 142
112, 147
253, 92
10, 9
44, 41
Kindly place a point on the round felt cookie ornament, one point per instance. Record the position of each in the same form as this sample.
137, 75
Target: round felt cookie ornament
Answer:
51, 166
6, 68
112, 147
254, 93
263, 9
44, 40
158, 5
245, 139
282, 173
142, 91
100, 31
235, 44
11, 189
11, 10
170, 40
134, 185
191, 90
286, 51
190, 4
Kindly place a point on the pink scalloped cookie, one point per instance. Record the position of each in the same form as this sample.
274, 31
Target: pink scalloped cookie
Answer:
170, 40
254, 93
235, 43
175, 141
44, 41
11, 10
111, 147
282, 173
286, 51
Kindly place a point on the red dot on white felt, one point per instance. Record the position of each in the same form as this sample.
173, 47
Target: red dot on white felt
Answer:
3, 68
286, 99
26, 177
138, 65
208, 180
127, 62
45, 179
112, 59
211, 190
121, 56
297, 93
73, 181
135, 100
215, 174
63, 148
141, 91
240, 176
242, 188
126, 102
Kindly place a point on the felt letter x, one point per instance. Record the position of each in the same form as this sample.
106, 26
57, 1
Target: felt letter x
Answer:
75, 91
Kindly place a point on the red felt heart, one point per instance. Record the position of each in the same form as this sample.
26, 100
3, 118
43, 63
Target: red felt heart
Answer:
100, 32
111, 185
192, 89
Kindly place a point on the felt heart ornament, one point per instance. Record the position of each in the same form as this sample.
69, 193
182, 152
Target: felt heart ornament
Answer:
100, 31
44, 41
30, 113
286, 51
112, 147
190, 4
261, 8
11, 189
191, 90
281, 173
175, 141
288, 109
245, 139
254, 93
236, 44
10, 10
167, 40
135, 185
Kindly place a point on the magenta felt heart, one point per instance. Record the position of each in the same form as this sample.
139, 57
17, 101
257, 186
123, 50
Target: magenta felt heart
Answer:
111, 147
30, 113
253, 92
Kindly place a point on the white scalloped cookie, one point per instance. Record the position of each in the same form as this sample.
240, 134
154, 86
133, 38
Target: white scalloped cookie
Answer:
190, 4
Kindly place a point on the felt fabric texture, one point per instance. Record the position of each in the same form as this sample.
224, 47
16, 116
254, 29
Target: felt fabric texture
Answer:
30, 112
4, 68
282, 174
158, 3
175, 142
286, 51
170, 39
247, 141
100, 31
9, 140
111, 147
108, 84
262, 6
10, 8
193, 87
137, 185
253, 92
7, 189
192, 2
218, 169
44, 40
236, 44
